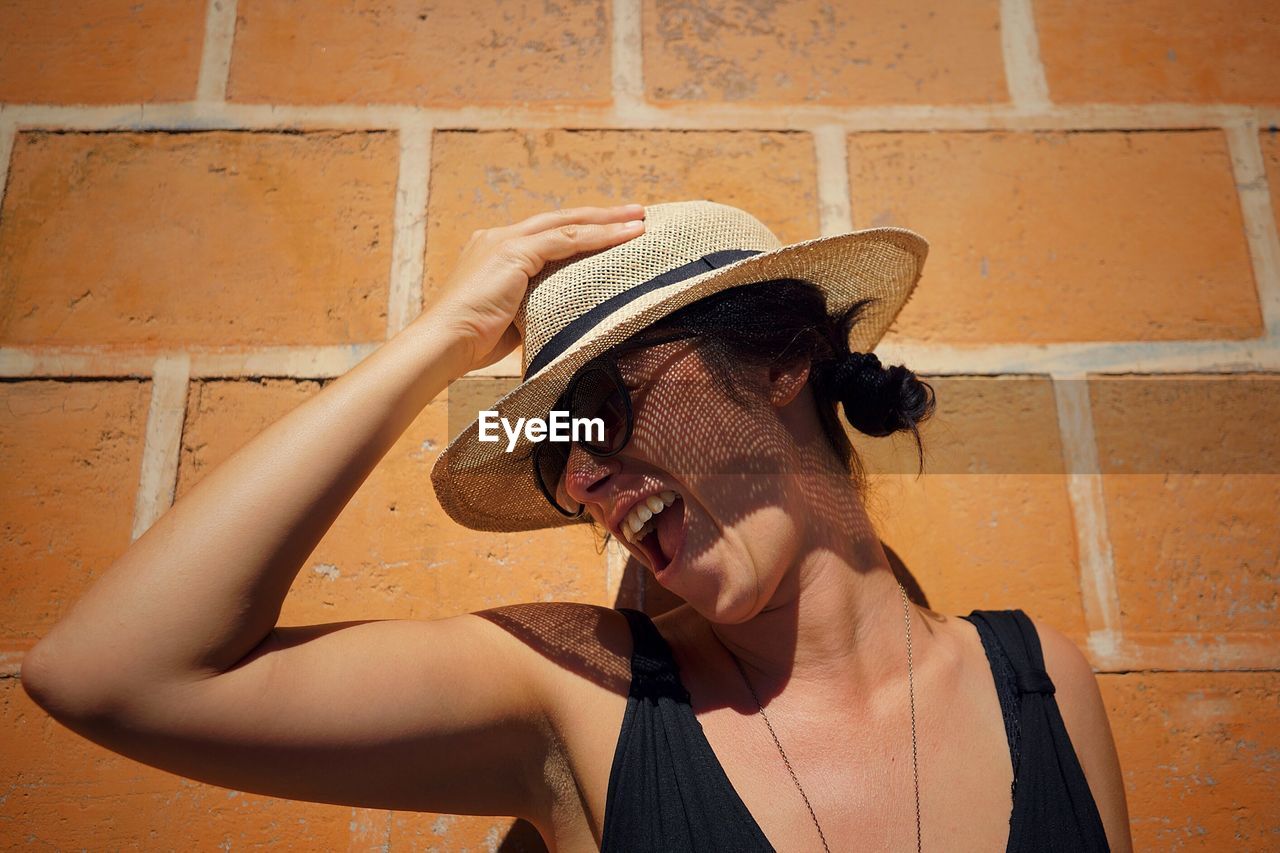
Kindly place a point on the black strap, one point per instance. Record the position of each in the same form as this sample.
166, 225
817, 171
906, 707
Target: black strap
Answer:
653, 667
1054, 809
1018, 639
564, 338
1035, 682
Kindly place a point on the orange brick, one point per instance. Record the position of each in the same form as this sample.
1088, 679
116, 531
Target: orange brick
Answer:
437, 54
1192, 484
1053, 237
1155, 51
393, 553
483, 180
1001, 536
877, 52
423, 831
985, 541
72, 453
1198, 751
197, 239
100, 51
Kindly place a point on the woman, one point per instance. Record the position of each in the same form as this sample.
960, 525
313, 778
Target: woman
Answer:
798, 700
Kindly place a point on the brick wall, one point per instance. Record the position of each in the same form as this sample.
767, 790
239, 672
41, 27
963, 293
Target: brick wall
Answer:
210, 208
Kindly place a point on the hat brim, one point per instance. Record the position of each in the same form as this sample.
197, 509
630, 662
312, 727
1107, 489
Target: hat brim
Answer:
482, 486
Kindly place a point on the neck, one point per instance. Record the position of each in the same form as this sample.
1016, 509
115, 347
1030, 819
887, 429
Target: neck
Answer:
836, 625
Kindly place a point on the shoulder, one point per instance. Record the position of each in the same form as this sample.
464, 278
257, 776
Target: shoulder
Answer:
1084, 713
564, 643
1075, 689
1067, 665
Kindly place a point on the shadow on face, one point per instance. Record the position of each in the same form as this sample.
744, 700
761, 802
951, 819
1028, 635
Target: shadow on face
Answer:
757, 481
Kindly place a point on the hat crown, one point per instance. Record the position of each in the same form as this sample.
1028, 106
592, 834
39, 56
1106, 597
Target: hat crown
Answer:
676, 233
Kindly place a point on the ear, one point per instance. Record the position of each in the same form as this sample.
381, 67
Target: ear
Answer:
786, 381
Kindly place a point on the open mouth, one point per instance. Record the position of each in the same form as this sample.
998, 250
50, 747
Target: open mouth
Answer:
660, 539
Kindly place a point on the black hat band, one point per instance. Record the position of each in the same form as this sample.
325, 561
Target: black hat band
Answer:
578, 327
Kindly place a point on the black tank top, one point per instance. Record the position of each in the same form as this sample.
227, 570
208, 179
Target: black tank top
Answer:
668, 791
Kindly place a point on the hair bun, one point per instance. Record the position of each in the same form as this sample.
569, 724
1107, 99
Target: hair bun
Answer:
878, 401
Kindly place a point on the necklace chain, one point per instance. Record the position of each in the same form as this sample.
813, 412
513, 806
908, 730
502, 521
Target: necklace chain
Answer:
911, 689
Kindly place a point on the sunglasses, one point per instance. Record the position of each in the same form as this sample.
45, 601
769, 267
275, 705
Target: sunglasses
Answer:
596, 391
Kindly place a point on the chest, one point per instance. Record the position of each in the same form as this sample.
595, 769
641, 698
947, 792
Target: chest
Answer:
857, 773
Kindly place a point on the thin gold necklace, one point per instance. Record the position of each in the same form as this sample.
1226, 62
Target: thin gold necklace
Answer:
911, 690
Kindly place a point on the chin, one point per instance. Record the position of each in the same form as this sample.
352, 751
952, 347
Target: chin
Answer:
721, 575
720, 591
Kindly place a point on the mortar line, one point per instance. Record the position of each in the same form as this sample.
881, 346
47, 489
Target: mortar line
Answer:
404, 292
1023, 69
1099, 593
1175, 356
627, 52
320, 362
163, 443
507, 367
614, 563
8, 135
88, 362
1259, 218
1225, 651
831, 153
196, 115
215, 56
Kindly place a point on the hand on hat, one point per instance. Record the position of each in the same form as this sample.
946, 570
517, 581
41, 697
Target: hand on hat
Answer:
486, 287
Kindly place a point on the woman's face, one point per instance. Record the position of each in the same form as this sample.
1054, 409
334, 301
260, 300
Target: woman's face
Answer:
732, 531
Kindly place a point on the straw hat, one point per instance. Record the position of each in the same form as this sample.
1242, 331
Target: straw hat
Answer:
577, 308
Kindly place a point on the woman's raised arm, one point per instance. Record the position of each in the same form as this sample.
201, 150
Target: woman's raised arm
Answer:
172, 657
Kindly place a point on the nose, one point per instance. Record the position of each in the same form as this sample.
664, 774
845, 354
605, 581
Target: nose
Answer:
583, 474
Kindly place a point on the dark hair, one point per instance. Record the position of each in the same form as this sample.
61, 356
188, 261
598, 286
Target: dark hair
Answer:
779, 321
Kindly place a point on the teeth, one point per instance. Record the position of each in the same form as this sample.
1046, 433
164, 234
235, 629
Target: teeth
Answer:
637, 533
644, 531
639, 523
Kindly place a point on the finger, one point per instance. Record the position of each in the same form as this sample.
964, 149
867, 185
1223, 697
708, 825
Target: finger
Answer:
569, 240
577, 216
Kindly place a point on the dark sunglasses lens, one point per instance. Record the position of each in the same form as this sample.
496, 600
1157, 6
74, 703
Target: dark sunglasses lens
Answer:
599, 395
